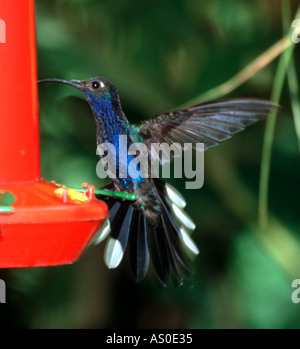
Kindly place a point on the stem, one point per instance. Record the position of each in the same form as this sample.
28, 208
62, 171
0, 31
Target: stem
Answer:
245, 74
292, 76
269, 133
294, 91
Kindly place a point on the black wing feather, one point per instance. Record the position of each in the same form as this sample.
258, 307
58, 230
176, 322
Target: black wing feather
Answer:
208, 123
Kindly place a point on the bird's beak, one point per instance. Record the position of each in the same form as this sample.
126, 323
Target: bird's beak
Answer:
74, 83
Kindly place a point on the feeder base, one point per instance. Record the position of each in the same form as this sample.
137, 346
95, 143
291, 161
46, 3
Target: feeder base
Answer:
46, 224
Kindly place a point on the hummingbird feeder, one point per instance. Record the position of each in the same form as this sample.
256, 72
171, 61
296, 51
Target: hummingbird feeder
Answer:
41, 223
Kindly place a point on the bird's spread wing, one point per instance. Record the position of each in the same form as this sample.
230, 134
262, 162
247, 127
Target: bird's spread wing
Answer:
208, 123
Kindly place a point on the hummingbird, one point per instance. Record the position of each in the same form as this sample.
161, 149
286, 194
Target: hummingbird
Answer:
155, 227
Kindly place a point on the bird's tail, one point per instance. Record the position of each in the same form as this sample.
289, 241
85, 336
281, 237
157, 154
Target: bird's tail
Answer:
167, 245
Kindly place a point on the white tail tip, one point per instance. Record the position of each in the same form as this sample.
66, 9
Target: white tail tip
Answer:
113, 253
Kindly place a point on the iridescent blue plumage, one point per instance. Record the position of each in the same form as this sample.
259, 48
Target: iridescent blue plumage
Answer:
111, 123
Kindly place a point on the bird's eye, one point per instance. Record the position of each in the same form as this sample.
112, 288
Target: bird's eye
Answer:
95, 84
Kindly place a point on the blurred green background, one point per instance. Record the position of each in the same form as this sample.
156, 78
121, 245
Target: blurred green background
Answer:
160, 54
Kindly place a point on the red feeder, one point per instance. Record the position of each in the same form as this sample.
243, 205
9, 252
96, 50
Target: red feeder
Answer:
41, 223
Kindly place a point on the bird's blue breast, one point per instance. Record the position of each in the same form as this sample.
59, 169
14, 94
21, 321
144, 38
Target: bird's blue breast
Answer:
110, 125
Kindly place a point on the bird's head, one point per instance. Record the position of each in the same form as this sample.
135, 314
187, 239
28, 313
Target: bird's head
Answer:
98, 90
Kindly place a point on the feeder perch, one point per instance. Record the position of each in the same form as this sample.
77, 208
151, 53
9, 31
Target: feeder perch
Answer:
41, 223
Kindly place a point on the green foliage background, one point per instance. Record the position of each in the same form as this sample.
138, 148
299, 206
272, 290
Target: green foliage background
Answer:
160, 54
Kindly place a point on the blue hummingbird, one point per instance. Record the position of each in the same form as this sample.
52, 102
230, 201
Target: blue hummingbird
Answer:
154, 225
